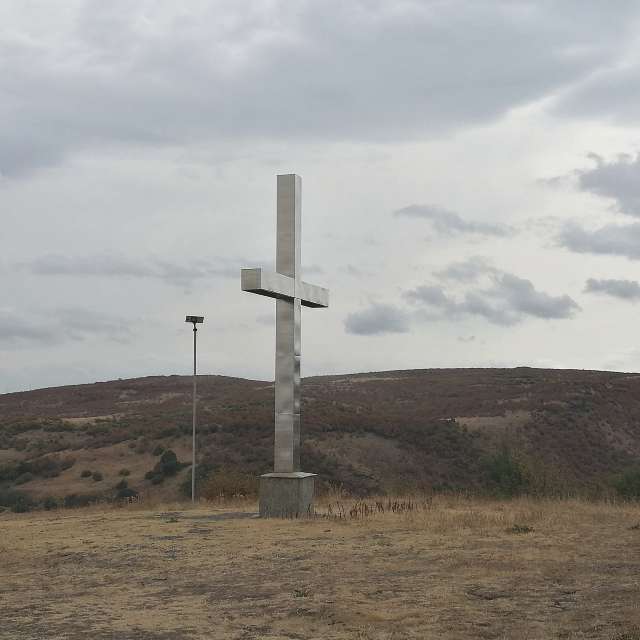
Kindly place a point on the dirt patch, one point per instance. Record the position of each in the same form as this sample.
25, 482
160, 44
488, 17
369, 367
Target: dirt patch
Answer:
89, 419
511, 419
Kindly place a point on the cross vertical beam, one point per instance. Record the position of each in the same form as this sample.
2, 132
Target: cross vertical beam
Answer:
287, 491
288, 329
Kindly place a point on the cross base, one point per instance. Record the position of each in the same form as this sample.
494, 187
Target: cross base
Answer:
286, 495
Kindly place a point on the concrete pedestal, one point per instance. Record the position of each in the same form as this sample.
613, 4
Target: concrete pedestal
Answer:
286, 495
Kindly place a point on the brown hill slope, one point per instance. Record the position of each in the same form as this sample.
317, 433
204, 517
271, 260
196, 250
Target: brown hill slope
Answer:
369, 432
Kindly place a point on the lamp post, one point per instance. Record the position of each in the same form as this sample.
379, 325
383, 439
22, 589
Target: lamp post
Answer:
195, 320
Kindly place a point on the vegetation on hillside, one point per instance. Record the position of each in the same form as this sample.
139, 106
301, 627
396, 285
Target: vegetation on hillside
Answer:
495, 431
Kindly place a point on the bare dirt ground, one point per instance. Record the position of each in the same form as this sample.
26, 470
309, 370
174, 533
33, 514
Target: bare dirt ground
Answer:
447, 569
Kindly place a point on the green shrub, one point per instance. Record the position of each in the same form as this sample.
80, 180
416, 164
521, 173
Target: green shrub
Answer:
80, 500
124, 472
17, 501
50, 503
168, 465
87, 473
506, 475
124, 491
25, 477
9, 472
627, 485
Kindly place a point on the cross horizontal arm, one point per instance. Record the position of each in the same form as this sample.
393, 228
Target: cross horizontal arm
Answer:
312, 296
276, 285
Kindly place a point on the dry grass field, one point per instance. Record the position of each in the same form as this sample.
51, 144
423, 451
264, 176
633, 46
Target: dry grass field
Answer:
448, 568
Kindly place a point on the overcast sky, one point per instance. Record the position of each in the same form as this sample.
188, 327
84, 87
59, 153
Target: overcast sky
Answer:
470, 177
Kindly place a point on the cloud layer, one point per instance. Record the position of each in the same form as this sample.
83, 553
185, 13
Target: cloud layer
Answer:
377, 319
618, 180
148, 73
506, 300
612, 239
117, 266
448, 222
623, 289
59, 326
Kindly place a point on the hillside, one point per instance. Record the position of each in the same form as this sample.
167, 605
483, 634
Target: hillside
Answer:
375, 432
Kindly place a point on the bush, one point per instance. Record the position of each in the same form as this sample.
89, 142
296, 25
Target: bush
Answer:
124, 491
87, 473
17, 501
9, 472
97, 476
23, 505
80, 500
67, 463
506, 475
50, 503
124, 472
627, 485
229, 484
168, 465
203, 471
25, 477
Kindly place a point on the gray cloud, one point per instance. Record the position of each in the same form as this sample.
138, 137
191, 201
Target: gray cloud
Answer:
618, 180
616, 240
521, 296
623, 289
377, 319
449, 222
16, 330
108, 266
57, 326
151, 74
508, 301
466, 270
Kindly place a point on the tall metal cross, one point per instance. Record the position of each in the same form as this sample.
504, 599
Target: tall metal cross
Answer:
291, 293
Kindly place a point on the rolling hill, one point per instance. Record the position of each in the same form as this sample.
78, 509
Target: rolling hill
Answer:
549, 431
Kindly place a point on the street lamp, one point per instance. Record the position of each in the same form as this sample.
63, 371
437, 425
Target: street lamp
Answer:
195, 320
